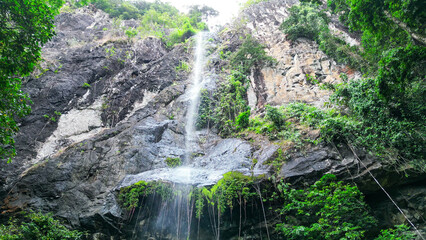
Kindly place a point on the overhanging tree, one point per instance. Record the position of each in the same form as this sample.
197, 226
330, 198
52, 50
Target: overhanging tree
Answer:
25, 25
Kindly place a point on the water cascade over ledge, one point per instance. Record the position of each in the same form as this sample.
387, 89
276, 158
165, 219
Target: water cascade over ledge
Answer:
200, 166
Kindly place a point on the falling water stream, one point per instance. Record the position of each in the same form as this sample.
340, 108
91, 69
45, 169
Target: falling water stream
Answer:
194, 96
181, 205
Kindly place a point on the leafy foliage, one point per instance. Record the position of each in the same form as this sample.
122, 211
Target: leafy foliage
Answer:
25, 26
242, 121
229, 110
276, 116
401, 232
326, 210
309, 21
183, 66
234, 186
157, 18
130, 197
230, 102
384, 24
250, 54
205, 116
38, 226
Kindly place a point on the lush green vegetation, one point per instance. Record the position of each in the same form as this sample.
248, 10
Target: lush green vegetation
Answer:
229, 110
229, 102
24, 27
400, 232
37, 226
328, 209
157, 18
325, 210
130, 197
234, 188
387, 111
249, 55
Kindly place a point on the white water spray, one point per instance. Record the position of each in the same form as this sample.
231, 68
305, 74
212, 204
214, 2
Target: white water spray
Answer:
194, 96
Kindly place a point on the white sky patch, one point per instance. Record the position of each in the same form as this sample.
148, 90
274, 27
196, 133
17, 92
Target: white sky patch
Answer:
226, 8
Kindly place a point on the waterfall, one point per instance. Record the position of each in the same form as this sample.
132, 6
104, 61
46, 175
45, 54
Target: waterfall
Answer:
173, 217
177, 214
194, 95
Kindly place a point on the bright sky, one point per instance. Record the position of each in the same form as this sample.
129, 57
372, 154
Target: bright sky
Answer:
226, 8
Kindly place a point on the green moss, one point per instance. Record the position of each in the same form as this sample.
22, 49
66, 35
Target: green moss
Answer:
173, 162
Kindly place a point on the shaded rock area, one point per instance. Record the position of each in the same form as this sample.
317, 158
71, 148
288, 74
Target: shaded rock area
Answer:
119, 111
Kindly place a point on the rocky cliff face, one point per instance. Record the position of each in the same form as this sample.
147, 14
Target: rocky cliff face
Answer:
119, 110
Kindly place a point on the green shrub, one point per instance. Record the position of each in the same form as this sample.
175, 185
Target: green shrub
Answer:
326, 210
183, 66
242, 120
401, 232
130, 197
250, 54
230, 99
173, 162
37, 226
233, 187
276, 116
131, 33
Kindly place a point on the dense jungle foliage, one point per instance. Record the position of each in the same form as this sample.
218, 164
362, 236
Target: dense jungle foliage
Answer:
25, 25
37, 226
328, 209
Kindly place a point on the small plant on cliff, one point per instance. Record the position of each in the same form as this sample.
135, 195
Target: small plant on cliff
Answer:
37, 226
326, 210
129, 197
173, 162
183, 66
131, 33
